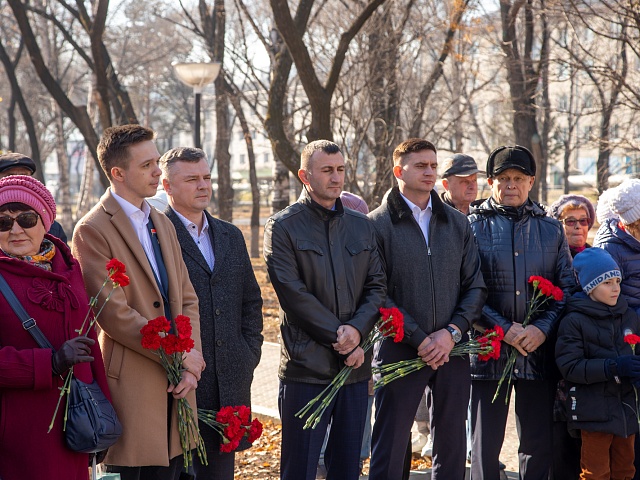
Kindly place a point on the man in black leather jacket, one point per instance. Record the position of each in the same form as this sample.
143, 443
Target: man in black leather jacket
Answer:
516, 240
324, 264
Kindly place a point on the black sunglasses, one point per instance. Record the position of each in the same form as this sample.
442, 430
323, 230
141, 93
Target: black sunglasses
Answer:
25, 220
571, 222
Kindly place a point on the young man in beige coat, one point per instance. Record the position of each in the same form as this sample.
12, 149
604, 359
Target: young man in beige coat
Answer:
118, 227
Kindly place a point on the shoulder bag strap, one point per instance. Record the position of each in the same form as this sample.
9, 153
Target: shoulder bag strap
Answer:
28, 323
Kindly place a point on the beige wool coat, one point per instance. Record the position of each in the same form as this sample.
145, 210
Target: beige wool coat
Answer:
137, 381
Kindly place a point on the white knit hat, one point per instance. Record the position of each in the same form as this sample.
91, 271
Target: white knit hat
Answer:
625, 201
603, 208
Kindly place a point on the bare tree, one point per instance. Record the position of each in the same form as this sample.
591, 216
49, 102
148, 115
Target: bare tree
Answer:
111, 95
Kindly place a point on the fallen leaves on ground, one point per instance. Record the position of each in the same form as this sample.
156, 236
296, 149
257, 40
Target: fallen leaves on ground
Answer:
262, 460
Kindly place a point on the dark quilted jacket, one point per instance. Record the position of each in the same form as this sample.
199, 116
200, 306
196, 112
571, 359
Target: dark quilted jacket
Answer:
515, 244
625, 250
590, 336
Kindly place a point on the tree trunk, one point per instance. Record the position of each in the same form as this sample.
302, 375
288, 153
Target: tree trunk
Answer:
254, 251
223, 138
63, 196
546, 107
522, 79
78, 115
17, 97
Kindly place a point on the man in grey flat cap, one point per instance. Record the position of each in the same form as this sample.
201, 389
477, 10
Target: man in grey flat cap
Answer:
13, 163
460, 181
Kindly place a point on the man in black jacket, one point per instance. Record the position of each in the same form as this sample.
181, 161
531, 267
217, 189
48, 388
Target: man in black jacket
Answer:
19, 164
460, 181
324, 265
516, 239
229, 297
433, 276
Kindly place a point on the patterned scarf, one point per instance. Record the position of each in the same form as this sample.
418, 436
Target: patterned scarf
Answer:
41, 259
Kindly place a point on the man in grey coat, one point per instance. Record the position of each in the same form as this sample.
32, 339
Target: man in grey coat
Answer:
229, 296
434, 278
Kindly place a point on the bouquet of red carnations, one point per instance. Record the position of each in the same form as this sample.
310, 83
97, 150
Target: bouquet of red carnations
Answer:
486, 346
116, 276
543, 292
170, 348
390, 325
232, 424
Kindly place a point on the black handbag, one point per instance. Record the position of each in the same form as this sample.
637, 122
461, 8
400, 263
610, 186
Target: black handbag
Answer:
92, 424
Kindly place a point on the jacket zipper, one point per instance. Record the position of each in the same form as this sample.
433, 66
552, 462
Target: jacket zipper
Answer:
619, 387
433, 293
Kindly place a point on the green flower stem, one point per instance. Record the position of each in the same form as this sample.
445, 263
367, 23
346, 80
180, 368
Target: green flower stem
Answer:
393, 371
63, 391
410, 367
334, 386
187, 426
535, 307
92, 304
327, 395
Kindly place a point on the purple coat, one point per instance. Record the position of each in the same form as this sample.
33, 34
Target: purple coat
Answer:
28, 389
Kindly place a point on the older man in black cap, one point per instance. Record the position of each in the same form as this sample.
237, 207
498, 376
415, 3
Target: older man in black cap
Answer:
460, 181
516, 240
19, 164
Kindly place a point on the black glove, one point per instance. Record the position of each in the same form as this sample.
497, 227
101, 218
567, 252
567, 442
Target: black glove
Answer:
76, 350
628, 366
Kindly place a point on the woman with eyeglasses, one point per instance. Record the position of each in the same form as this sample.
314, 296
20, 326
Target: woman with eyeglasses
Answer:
47, 281
577, 215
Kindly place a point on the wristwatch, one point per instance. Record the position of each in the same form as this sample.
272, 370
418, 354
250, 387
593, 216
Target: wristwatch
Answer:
455, 334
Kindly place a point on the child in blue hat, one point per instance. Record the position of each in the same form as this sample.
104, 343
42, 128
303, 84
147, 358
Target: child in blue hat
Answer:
600, 367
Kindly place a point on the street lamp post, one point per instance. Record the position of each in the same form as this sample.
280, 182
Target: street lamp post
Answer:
197, 75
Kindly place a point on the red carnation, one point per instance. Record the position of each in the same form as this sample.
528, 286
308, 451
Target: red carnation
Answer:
244, 413
151, 342
115, 266
632, 339
120, 279
224, 414
255, 430
185, 344
183, 325
169, 344
392, 324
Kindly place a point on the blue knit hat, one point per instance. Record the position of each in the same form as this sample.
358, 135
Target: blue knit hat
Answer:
594, 266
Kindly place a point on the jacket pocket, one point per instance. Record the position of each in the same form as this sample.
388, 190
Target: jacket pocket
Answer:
587, 403
306, 245
115, 361
358, 247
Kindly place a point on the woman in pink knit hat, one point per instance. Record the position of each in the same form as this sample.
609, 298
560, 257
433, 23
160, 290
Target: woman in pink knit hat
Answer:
46, 280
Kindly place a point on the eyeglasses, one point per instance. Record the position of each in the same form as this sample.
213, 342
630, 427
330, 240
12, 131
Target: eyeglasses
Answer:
571, 222
25, 220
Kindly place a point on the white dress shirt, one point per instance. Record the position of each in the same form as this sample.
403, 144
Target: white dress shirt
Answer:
139, 219
423, 217
202, 239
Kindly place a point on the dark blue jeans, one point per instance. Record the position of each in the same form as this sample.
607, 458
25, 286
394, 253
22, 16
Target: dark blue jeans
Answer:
301, 448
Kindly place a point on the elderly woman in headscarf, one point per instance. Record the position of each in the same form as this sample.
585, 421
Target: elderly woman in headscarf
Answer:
577, 215
47, 281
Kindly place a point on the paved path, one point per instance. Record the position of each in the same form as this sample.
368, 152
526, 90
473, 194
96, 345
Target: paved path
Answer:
264, 396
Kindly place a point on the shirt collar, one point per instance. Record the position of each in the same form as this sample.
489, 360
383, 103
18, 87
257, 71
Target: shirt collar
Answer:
414, 208
188, 223
131, 210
